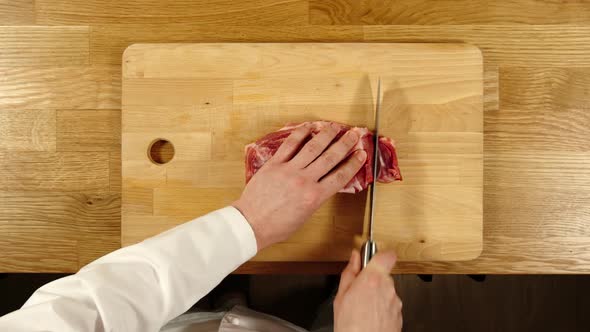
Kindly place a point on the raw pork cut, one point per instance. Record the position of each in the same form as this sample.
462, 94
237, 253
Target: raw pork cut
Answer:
259, 152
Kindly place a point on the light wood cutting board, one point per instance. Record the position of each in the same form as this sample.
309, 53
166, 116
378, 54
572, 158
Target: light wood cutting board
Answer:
210, 100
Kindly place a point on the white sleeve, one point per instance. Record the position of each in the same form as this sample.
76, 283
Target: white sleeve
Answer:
141, 287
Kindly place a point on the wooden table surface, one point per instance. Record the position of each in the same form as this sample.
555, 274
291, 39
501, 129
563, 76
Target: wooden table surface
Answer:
60, 99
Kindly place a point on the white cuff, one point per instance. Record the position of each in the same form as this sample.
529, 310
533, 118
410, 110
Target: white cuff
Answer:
242, 230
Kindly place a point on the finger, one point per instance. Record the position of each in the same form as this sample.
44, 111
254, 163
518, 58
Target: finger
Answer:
340, 176
333, 156
350, 272
312, 149
400, 314
383, 261
291, 144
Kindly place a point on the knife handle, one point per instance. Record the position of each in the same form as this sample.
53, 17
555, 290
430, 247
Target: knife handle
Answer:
368, 250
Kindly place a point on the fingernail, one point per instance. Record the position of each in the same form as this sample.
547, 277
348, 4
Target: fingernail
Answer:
361, 155
391, 259
353, 135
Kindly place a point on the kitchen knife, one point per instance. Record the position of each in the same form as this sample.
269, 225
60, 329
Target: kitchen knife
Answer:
369, 248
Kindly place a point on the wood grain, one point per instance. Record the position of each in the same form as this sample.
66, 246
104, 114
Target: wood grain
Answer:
210, 100
108, 42
57, 171
218, 12
115, 171
548, 89
72, 229
491, 89
542, 111
536, 46
543, 208
518, 167
63, 87
95, 130
542, 131
99, 235
436, 12
27, 130
17, 12
23, 46
535, 101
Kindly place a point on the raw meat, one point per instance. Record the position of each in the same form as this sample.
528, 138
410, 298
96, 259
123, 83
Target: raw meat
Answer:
259, 152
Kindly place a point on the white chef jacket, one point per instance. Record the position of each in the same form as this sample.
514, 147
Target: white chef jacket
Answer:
143, 286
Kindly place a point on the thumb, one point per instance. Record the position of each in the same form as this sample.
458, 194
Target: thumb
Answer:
350, 272
383, 261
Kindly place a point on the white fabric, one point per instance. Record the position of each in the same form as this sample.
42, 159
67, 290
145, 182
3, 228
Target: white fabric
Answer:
141, 287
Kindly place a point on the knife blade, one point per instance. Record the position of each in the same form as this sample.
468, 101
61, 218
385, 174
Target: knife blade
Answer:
369, 248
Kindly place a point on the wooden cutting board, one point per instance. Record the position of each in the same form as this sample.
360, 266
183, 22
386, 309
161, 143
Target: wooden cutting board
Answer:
210, 100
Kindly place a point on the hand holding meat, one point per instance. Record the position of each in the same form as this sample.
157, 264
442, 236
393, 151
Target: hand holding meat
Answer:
259, 152
296, 180
367, 300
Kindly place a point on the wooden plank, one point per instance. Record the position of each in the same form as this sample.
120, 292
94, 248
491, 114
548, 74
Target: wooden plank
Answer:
544, 131
137, 201
436, 12
115, 171
506, 45
491, 89
462, 58
542, 110
283, 91
172, 201
146, 226
538, 211
100, 233
518, 165
64, 87
221, 12
44, 231
57, 171
27, 46
108, 41
40, 251
193, 117
206, 174
94, 130
561, 90
27, 130
177, 92
17, 12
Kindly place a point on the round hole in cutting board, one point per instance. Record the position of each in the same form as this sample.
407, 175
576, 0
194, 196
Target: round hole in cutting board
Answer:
161, 151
